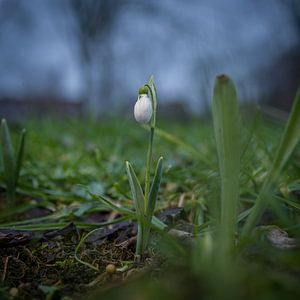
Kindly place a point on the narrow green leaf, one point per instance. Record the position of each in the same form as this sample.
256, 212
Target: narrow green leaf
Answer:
48, 226
136, 189
226, 120
244, 214
1, 160
9, 162
157, 223
20, 155
287, 145
289, 140
291, 203
155, 188
111, 205
180, 143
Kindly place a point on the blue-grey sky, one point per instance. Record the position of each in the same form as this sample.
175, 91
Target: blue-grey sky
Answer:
185, 44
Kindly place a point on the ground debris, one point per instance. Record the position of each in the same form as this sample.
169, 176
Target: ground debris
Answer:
277, 237
47, 260
11, 238
280, 238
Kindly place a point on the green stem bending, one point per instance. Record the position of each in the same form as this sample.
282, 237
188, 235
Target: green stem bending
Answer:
148, 167
153, 94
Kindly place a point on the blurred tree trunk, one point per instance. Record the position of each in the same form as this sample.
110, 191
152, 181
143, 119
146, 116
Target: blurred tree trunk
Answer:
95, 20
94, 23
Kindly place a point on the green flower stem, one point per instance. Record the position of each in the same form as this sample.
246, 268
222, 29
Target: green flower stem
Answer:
145, 201
153, 94
139, 242
148, 167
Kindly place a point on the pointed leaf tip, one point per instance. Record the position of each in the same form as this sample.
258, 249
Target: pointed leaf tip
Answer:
223, 77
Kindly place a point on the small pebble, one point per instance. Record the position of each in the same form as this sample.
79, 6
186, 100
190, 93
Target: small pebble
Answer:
14, 292
111, 269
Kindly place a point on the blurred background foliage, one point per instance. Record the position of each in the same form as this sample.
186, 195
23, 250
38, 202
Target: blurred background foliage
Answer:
74, 56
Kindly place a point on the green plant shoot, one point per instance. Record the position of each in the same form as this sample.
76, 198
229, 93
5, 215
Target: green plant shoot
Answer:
226, 120
144, 201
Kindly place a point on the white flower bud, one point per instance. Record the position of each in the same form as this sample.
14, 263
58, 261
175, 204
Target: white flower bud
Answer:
143, 109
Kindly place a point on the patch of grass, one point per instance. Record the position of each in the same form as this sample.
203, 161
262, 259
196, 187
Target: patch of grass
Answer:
11, 162
69, 162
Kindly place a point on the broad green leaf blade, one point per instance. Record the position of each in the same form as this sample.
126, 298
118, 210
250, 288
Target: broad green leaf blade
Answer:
287, 145
8, 158
136, 189
20, 155
226, 120
155, 188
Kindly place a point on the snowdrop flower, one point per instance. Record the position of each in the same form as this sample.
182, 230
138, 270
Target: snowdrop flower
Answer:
143, 109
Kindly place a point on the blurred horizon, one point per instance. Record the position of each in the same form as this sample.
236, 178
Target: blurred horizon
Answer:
98, 53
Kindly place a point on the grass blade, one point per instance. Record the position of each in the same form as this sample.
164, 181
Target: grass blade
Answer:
158, 224
155, 187
287, 145
226, 120
8, 159
1, 160
180, 143
20, 155
111, 205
